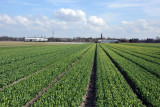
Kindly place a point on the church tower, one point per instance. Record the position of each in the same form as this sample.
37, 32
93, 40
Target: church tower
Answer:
101, 36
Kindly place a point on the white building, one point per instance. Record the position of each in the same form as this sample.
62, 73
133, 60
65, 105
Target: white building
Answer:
107, 41
36, 40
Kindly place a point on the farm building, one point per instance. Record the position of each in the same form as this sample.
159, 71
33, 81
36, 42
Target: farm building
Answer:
107, 41
36, 40
104, 40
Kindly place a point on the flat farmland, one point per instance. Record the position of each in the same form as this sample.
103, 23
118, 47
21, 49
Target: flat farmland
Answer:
73, 75
18, 43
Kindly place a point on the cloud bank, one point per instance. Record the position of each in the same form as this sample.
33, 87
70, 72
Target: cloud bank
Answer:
70, 15
71, 23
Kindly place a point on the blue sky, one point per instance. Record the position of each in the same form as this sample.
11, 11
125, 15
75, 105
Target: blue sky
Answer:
84, 18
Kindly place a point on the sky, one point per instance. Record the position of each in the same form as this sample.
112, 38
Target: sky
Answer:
80, 18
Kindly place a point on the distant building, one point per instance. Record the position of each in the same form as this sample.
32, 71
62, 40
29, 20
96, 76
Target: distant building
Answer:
104, 40
36, 40
99, 39
101, 36
150, 40
107, 41
134, 40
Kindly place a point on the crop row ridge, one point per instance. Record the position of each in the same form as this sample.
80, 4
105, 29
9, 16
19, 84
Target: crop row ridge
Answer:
45, 89
136, 64
145, 54
17, 81
135, 55
127, 79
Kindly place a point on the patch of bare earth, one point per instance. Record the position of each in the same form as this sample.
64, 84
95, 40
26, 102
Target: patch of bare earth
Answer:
20, 43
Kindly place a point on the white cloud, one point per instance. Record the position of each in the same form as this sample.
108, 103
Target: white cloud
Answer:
72, 23
96, 21
137, 26
141, 28
76, 19
28, 25
6, 19
70, 15
22, 20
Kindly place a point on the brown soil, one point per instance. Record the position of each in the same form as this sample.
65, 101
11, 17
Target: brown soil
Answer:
19, 43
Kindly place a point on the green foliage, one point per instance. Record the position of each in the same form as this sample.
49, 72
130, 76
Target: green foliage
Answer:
69, 90
146, 84
31, 60
149, 66
139, 62
22, 92
112, 89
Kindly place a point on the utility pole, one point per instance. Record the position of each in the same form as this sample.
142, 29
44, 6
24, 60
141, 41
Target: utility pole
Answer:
53, 35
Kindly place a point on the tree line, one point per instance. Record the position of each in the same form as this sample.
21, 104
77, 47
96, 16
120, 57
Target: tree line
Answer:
90, 39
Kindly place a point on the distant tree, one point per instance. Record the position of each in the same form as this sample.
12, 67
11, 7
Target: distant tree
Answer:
157, 40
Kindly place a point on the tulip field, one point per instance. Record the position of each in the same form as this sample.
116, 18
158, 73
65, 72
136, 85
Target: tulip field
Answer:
80, 75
